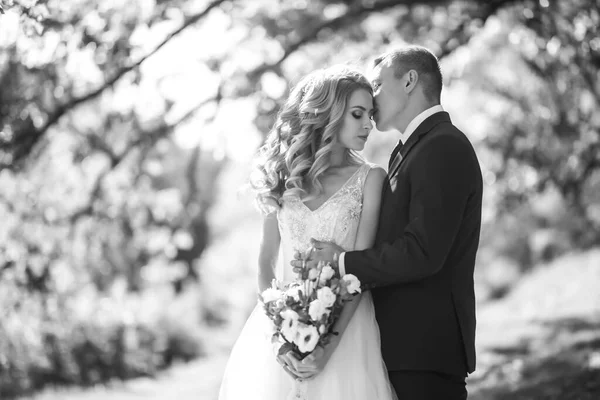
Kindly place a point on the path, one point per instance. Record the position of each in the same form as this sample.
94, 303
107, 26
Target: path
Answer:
541, 342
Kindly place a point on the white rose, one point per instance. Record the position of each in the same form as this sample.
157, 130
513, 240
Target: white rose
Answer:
307, 338
271, 294
317, 309
352, 283
288, 314
313, 274
289, 327
326, 295
326, 274
293, 292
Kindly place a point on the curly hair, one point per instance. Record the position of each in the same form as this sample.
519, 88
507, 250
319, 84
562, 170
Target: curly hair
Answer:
297, 150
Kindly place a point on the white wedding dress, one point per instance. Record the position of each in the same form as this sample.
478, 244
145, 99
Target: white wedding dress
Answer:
356, 369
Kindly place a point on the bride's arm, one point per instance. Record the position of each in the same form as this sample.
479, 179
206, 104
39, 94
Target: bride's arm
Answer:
269, 251
369, 218
365, 239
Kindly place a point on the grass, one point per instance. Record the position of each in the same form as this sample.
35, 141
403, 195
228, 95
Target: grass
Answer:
542, 342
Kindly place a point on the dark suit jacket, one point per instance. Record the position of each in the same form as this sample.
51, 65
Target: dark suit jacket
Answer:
420, 270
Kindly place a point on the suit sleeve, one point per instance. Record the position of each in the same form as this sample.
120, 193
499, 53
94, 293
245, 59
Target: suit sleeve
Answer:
441, 181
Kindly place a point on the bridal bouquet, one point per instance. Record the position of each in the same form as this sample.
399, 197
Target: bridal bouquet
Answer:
304, 311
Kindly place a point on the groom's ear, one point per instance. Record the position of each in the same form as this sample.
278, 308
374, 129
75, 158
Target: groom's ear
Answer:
412, 77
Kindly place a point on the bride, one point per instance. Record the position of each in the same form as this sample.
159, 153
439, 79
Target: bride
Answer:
311, 183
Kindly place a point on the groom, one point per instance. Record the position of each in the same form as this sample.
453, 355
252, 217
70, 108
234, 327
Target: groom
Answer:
420, 270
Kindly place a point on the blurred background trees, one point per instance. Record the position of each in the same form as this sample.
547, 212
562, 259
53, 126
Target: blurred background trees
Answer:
127, 129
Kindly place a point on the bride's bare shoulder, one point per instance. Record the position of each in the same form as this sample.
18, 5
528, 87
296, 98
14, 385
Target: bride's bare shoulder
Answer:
375, 176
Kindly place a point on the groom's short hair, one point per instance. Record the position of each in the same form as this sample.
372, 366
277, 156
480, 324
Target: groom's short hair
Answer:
421, 60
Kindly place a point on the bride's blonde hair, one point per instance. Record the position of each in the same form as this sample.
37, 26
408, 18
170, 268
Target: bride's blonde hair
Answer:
297, 150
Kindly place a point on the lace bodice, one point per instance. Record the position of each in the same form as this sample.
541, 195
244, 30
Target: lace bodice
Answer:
336, 220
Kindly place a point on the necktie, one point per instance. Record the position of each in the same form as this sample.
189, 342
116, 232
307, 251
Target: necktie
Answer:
395, 158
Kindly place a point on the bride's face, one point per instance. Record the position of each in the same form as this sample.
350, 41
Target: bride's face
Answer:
357, 124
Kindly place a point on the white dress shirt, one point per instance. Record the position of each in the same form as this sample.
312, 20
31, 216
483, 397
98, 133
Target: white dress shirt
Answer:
410, 129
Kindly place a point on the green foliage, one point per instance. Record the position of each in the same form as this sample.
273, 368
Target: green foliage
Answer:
86, 337
117, 120
97, 197
533, 75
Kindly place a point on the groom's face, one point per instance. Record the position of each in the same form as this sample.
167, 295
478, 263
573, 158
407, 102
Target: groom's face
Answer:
389, 96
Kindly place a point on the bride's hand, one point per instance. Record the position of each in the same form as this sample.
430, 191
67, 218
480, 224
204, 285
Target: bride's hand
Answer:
327, 252
301, 260
315, 363
292, 366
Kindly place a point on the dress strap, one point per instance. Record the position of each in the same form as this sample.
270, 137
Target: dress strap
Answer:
362, 174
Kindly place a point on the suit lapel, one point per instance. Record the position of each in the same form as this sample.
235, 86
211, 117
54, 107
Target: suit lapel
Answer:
425, 127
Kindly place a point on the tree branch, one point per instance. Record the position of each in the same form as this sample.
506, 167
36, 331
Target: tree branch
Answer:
364, 8
64, 108
148, 139
334, 23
